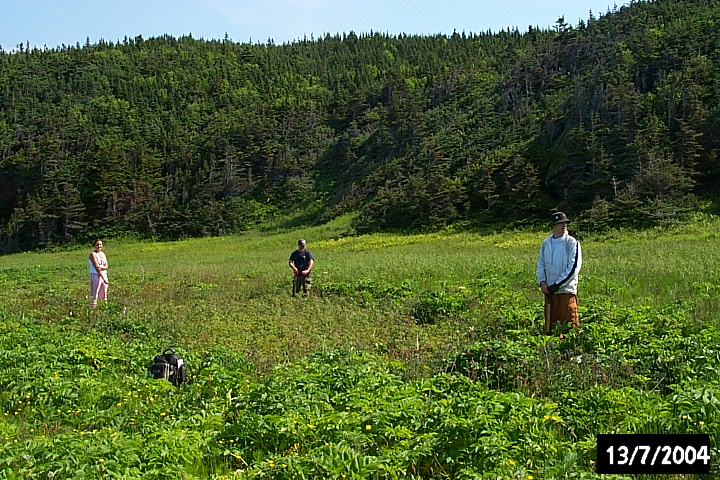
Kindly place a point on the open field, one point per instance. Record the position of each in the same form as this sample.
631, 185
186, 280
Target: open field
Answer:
417, 356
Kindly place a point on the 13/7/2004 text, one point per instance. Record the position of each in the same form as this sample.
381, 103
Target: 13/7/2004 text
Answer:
653, 454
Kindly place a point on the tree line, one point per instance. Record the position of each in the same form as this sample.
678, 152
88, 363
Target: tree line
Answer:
613, 119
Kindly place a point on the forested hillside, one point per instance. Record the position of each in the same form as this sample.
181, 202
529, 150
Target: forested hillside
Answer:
614, 118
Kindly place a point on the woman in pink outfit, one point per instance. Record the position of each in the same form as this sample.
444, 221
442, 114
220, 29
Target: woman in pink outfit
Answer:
98, 273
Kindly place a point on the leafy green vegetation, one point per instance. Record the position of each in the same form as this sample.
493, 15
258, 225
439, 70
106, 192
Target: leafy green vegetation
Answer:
416, 356
614, 119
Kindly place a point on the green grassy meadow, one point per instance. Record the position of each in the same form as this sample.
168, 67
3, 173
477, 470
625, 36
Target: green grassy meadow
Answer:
416, 356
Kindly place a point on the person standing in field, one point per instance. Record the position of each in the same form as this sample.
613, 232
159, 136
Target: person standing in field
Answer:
301, 262
558, 267
98, 273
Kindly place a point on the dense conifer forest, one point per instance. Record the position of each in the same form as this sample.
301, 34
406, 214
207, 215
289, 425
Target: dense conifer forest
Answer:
615, 118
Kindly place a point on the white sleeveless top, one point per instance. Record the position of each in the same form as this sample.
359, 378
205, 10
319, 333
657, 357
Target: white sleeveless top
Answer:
101, 260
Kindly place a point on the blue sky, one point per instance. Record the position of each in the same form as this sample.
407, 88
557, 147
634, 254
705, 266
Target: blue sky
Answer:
51, 23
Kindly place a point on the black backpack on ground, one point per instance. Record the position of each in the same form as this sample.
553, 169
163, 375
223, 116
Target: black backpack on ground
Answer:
169, 366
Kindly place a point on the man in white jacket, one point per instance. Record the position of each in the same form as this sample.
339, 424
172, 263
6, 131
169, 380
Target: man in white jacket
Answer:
558, 267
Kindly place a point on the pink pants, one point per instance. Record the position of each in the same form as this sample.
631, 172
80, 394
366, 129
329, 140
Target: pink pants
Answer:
98, 288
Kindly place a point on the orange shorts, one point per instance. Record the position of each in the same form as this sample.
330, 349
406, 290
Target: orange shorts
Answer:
563, 308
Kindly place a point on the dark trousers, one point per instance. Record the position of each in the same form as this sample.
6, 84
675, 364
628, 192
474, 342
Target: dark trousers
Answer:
301, 282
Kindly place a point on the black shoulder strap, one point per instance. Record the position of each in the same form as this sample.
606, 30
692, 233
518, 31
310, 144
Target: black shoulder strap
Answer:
572, 271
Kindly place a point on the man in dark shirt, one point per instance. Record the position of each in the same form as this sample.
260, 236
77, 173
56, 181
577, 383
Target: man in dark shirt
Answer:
301, 262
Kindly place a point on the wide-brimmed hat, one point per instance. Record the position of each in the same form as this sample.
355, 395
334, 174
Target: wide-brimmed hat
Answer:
558, 217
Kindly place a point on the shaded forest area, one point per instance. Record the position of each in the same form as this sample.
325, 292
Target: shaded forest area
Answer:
613, 119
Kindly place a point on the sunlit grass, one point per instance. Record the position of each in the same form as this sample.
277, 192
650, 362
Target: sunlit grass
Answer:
234, 291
